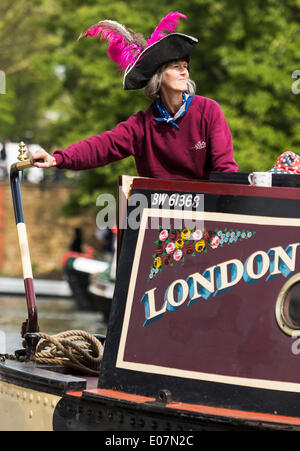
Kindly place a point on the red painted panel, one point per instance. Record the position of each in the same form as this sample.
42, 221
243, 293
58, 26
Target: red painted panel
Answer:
232, 333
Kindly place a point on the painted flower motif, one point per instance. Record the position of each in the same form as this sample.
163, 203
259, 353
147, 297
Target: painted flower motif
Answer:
152, 273
215, 241
185, 234
177, 255
206, 235
167, 260
197, 234
163, 235
173, 245
200, 246
174, 235
179, 243
170, 247
160, 248
157, 262
189, 249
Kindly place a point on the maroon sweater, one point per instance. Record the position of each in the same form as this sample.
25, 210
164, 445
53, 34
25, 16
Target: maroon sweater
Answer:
202, 143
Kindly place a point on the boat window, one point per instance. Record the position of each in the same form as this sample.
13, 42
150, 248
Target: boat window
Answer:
288, 306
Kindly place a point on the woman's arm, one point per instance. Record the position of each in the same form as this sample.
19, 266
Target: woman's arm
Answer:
97, 150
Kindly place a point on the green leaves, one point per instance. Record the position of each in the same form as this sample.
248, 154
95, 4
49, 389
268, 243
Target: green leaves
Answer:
245, 62
245, 58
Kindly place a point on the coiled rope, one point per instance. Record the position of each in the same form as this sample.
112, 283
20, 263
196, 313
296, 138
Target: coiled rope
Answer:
74, 348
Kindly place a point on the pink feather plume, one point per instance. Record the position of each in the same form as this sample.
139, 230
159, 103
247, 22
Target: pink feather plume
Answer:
168, 23
124, 45
121, 49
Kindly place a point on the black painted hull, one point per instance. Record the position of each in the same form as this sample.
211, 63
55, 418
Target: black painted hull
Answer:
209, 355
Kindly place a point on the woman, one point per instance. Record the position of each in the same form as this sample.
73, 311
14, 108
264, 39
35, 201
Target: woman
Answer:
180, 135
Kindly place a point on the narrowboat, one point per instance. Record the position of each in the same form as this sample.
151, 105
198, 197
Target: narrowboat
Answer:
204, 326
90, 282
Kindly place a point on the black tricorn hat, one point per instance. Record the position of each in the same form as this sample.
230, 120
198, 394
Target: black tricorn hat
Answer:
172, 47
138, 57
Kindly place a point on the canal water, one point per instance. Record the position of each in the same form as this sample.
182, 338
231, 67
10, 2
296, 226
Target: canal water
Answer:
54, 315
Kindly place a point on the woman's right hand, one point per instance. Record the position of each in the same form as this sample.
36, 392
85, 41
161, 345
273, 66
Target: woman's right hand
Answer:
42, 159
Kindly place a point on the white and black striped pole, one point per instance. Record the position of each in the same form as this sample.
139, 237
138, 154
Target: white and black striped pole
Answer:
31, 325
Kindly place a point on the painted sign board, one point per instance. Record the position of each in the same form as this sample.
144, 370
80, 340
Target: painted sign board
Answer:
201, 315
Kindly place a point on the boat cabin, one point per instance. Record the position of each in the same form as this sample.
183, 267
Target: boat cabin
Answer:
204, 326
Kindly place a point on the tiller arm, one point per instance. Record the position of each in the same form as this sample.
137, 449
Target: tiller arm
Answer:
31, 324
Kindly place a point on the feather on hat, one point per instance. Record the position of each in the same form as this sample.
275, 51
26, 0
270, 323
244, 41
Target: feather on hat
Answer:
129, 49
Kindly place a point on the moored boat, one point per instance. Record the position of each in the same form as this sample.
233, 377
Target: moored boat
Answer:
78, 270
204, 322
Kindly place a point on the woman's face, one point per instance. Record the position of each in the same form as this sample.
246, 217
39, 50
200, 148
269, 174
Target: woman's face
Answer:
175, 76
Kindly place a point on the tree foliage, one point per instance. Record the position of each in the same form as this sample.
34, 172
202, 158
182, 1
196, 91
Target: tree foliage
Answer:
25, 58
61, 90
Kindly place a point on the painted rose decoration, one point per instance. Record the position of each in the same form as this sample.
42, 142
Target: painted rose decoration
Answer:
173, 246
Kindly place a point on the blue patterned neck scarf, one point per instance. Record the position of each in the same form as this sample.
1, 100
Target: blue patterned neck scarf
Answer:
164, 114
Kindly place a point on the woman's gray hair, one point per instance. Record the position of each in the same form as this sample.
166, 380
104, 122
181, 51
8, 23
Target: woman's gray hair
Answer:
153, 86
